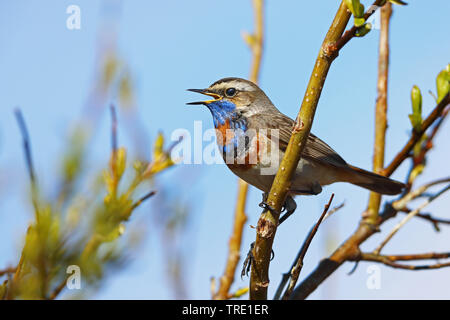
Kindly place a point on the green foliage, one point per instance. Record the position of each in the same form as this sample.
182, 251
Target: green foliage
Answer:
362, 31
357, 9
416, 101
443, 83
86, 233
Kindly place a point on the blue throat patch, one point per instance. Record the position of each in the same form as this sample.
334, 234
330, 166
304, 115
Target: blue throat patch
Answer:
223, 111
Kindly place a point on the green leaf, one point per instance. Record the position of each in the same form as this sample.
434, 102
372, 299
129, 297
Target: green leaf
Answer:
416, 101
355, 7
443, 83
359, 22
362, 31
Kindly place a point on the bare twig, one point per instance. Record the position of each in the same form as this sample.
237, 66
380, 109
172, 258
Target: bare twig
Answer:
428, 217
268, 221
408, 217
114, 142
258, 44
389, 260
380, 111
295, 272
7, 270
404, 200
58, 289
234, 246
141, 200
286, 276
26, 144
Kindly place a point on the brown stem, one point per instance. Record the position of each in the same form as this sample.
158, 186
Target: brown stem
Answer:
295, 273
389, 260
7, 270
428, 217
380, 110
268, 221
234, 245
408, 217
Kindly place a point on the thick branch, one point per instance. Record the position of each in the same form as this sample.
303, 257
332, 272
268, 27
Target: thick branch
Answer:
268, 221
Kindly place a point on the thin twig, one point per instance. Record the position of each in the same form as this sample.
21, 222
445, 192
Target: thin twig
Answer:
7, 270
234, 245
58, 289
114, 142
295, 272
408, 217
428, 217
26, 144
389, 260
404, 200
141, 200
286, 276
380, 111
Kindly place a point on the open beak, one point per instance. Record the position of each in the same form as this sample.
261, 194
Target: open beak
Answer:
205, 92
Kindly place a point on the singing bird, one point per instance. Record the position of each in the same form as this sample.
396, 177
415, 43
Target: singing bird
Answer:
238, 107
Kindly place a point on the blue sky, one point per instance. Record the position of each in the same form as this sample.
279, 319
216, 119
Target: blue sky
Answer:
170, 46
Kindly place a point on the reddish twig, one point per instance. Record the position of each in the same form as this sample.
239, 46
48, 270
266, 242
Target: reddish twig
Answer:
295, 271
389, 260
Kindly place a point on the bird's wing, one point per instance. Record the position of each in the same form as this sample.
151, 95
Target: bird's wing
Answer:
315, 149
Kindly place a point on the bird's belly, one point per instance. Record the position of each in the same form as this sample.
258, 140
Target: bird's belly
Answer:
258, 163
308, 177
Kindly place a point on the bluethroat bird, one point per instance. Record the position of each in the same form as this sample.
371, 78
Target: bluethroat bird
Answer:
239, 106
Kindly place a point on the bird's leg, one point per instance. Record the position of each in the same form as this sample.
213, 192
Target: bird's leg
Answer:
249, 259
289, 206
266, 206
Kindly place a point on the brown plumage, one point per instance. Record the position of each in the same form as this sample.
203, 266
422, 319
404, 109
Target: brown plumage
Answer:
241, 101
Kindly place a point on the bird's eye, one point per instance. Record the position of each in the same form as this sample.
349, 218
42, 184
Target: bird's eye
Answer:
230, 92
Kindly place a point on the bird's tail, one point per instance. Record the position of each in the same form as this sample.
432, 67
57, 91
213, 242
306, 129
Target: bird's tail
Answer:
372, 181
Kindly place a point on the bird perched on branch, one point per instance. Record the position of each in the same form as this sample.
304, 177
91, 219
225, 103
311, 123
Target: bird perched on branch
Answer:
253, 134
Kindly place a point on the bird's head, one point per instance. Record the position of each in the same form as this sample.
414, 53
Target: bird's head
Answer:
234, 95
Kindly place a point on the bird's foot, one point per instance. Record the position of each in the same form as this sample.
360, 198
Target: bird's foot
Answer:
266, 206
289, 206
249, 260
